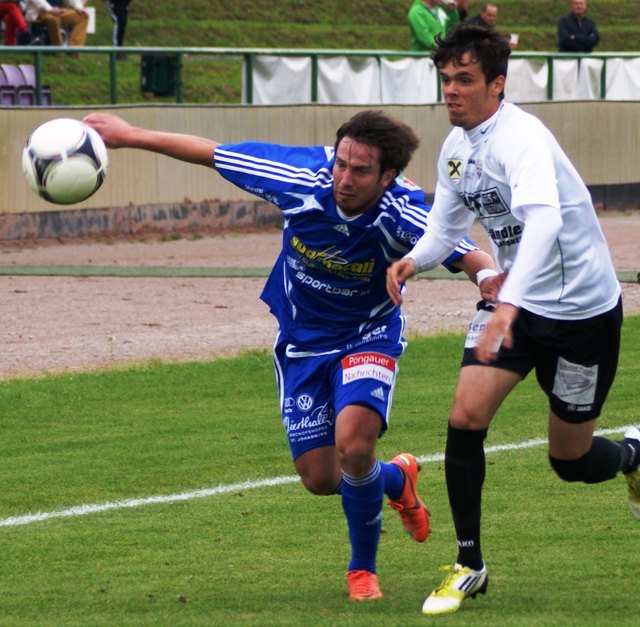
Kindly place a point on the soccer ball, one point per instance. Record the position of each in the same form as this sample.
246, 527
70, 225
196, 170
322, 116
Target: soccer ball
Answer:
64, 161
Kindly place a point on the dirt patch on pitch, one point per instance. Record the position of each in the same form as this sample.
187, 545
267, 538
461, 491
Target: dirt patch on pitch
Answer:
55, 324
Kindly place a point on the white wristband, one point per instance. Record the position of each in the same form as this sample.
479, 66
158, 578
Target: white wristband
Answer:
485, 274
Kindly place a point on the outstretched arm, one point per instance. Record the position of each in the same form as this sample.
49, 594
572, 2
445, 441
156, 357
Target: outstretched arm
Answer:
117, 133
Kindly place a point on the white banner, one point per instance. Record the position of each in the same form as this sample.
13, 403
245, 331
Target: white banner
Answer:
372, 80
623, 79
589, 79
565, 79
348, 80
526, 80
412, 80
281, 80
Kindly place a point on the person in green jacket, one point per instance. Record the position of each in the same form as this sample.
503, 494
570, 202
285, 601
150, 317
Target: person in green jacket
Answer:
428, 18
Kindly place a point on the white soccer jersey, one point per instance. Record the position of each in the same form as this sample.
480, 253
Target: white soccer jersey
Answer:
512, 176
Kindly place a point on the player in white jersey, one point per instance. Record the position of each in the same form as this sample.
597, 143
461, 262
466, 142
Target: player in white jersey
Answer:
348, 213
558, 307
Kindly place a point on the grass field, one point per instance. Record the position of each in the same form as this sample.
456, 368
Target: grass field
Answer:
163, 494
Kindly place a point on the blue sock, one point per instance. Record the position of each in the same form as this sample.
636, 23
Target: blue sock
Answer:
362, 505
393, 480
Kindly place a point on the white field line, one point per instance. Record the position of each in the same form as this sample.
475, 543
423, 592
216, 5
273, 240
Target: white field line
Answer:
83, 510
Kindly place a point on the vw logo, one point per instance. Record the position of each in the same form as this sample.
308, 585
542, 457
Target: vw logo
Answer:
304, 402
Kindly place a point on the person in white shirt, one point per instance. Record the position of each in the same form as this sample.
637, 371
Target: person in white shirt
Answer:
56, 15
558, 307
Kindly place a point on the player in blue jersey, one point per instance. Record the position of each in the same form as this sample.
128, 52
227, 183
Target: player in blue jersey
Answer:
348, 213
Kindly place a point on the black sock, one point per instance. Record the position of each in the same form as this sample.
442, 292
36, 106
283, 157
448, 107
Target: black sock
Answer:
465, 470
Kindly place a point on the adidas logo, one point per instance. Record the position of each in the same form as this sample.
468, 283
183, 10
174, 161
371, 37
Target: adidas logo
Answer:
378, 393
342, 228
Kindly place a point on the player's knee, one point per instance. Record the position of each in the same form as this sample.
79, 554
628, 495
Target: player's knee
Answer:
464, 419
570, 470
602, 462
320, 486
354, 456
318, 481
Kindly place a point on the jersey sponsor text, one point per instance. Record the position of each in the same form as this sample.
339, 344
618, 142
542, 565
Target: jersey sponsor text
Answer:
369, 365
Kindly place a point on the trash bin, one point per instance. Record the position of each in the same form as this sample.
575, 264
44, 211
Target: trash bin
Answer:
158, 74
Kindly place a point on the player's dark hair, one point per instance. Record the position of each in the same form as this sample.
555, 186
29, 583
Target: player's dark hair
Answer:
396, 140
486, 46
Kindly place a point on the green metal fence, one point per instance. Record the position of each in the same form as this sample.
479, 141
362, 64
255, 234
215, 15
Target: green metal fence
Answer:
248, 55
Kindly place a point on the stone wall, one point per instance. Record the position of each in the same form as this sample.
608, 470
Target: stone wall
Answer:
185, 217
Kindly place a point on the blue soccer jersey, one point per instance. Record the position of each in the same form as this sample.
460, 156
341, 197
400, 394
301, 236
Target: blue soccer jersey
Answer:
327, 286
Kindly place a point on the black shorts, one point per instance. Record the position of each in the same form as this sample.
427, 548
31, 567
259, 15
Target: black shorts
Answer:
575, 360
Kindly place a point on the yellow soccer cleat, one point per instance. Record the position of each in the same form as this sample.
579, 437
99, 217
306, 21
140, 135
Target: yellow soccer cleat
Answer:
633, 477
460, 583
633, 481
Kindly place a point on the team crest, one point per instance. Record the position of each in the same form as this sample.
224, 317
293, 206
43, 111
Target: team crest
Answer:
454, 165
405, 182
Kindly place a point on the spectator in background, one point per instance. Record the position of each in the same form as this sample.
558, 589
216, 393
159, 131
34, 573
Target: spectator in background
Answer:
577, 33
463, 9
14, 22
57, 14
428, 18
118, 10
487, 17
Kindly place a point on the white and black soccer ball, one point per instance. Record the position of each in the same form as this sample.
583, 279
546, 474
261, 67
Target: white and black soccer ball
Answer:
64, 161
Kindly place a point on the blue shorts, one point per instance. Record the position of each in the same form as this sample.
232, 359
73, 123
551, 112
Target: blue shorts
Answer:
315, 386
